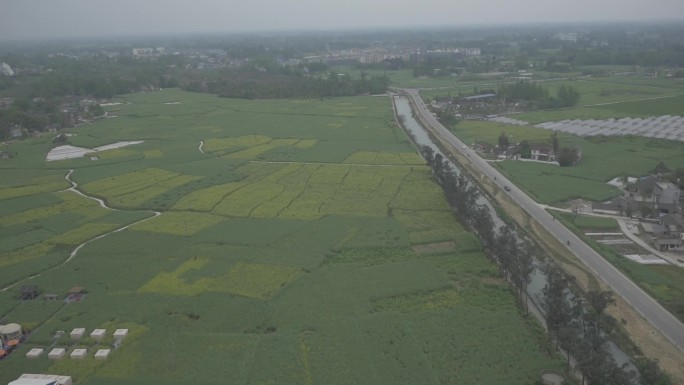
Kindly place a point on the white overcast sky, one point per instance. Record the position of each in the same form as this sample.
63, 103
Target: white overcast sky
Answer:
29, 19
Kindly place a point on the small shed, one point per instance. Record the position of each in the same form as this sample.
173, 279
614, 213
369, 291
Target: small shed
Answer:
32, 381
102, 354
77, 333
51, 297
28, 292
37, 379
57, 353
78, 354
35, 353
98, 334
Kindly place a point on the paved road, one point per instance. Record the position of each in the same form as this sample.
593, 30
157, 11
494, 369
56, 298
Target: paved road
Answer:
649, 308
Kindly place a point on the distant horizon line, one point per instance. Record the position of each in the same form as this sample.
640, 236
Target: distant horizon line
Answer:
338, 30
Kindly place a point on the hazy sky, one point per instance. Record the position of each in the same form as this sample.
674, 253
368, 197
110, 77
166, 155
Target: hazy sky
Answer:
22, 19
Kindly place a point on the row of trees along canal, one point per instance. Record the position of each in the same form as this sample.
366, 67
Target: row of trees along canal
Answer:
578, 325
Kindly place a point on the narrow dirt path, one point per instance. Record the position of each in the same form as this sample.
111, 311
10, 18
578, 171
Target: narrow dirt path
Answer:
201, 146
74, 188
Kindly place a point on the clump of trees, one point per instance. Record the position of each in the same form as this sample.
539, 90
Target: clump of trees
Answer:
503, 141
260, 85
567, 156
513, 256
579, 326
538, 96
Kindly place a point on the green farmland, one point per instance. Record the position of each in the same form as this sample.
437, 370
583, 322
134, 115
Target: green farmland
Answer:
603, 158
261, 242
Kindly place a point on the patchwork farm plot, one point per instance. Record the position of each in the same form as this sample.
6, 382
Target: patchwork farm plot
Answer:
306, 243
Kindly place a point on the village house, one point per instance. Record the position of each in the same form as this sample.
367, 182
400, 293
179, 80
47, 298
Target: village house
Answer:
618, 206
542, 152
667, 234
662, 197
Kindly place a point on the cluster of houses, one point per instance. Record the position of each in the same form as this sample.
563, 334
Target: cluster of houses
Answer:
470, 107
657, 204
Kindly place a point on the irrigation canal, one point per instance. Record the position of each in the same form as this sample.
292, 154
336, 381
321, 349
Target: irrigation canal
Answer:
538, 279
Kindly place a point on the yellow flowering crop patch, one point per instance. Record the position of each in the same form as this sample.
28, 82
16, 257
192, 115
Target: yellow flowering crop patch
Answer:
417, 193
305, 143
135, 188
179, 223
129, 182
214, 144
83, 233
250, 153
153, 154
251, 146
171, 283
8, 192
25, 254
328, 175
310, 191
71, 202
428, 226
284, 172
412, 158
255, 280
245, 279
433, 300
387, 158
273, 207
39, 185
207, 198
241, 202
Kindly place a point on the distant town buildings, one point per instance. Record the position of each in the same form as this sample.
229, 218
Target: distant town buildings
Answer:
148, 52
568, 36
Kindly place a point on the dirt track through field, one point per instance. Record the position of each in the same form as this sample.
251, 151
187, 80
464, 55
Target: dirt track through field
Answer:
74, 253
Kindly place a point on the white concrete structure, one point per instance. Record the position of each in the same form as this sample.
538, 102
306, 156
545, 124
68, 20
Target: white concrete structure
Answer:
98, 334
77, 333
665, 127
10, 331
67, 152
35, 353
56, 353
102, 354
78, 354
37, 379
72, 152
120, 334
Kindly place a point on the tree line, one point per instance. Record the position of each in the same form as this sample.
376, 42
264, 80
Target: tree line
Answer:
267, 86
513, 256
578, 325
538, 96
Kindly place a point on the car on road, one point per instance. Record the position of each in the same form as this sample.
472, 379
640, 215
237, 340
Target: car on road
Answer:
507, 188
